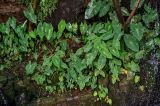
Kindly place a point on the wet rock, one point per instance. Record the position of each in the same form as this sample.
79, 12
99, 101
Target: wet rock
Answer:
69, 10
10, 8
3, 99
21, 99
3, 80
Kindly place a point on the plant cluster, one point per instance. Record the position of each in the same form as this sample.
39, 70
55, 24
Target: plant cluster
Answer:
44, 7
60, 60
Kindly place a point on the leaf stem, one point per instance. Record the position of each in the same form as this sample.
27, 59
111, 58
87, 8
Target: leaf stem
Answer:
133, 12
117, 7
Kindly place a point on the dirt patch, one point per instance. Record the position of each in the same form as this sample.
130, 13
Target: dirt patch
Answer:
10, 8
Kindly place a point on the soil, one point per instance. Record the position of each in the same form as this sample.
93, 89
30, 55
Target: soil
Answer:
10, 8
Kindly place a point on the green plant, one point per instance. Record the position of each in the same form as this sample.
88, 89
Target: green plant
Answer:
61, 61
46, 8
43, 7
98, 7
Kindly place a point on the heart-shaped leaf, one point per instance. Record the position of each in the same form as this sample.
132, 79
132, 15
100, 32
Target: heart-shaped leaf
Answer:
137, 30
104, 50
131, 42
61, 26
30, 67
101, 62
29, 14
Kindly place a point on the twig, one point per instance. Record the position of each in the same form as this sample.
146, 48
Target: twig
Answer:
133, 12
117, 7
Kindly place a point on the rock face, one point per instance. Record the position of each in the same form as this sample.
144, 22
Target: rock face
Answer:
70, 10
10, 8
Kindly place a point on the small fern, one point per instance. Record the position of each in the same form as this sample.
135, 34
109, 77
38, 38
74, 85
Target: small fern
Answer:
46, 8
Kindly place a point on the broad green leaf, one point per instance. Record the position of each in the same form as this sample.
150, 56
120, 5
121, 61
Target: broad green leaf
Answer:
21, 29
125, 11
4, 28
104, 50
61, 26
79, 66
150, 15
136, 79
133, 3
114, 51
29, 14
98, 27
93, 82
48, 30
88, 47
12, 22
68, 35
109, 101
46, 61
81, 84
117, 62
133, 66
104, 9
83, 28
89, 11
116, 44
56, 61
157, 41
79, 52
101, 62
139, 55
99, 72
48, 71
39, 78
60, 53
95, 93
50, 89
32, 34
114, 69
45, 29
91, 37
30, 67
74, 28
73, 74
90, 57
82, 80
103, 91
131, 42
64, 65
69, 27
150, 44
40, 30
137, 30
107, 35
63, 44
117, 30
115, 78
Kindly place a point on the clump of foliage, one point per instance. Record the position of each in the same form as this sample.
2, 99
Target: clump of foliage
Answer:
44, 7
61, 61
